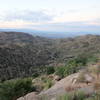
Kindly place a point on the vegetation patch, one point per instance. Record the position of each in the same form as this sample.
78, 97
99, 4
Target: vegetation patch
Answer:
11, 90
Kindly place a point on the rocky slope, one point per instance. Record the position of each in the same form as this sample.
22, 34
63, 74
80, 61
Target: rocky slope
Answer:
60, 88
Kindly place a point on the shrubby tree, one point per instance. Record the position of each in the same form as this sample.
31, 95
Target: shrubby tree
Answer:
11, 90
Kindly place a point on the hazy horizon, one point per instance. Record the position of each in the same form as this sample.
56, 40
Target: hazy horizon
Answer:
51, 15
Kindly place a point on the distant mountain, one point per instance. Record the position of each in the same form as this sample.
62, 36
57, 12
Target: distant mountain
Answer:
50, 34
22, 54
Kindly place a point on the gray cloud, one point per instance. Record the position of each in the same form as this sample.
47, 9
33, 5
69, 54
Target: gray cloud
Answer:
30, 16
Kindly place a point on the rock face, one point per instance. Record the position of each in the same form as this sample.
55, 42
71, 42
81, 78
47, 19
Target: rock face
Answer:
89, 78
53, 92
57, 78
60, 88
30, 96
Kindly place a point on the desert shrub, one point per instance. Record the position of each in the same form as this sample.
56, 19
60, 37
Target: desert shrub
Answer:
42, 83
95, 70
78, 61
95, 96
70, 68
11, 90
44, 97
60, 71
92, 59
80, 95
74, 66
85, 59
73, 96
65, 97
36, 74
50, 70
81, 77
48, 84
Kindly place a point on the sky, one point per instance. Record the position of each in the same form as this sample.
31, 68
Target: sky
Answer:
51, 15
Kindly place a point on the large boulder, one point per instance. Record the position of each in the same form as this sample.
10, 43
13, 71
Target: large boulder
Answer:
29, 96
60, 87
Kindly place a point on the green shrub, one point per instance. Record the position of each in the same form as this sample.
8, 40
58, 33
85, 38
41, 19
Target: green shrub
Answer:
11, 90
50, 70
73, 96
65, 97
60, 71
95, 70
74, 66
96, 96
48, 84
81, 78
36, 74
71, 67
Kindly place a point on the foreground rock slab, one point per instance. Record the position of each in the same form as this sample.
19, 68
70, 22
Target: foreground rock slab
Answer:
30, 96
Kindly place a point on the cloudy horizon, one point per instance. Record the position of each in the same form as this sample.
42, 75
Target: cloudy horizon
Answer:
51, 15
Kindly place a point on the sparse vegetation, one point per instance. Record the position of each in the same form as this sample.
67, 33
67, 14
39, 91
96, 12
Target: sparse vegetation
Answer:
48, 84
81, 77
73, 96
95, 70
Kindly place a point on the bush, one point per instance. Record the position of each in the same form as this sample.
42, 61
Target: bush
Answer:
48, 84
96, 96
71, 67
81, 77
50, 70
60, 71
95, 70
11, 90
73, 96
34, 75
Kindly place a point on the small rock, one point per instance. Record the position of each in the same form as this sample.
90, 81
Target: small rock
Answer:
57, 78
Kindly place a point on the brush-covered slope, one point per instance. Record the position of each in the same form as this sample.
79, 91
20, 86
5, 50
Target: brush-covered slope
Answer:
84, 46
22, 54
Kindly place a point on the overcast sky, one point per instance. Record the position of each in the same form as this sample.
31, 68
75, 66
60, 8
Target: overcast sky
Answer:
51, 15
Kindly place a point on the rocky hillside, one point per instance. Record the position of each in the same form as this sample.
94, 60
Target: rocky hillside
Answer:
22, 54
64, 86
79, 46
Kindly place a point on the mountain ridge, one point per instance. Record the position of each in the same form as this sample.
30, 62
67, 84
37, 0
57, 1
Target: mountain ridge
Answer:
50, 34
22, 54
